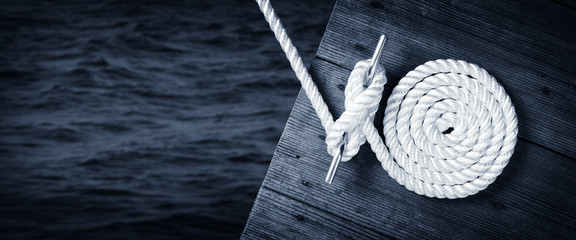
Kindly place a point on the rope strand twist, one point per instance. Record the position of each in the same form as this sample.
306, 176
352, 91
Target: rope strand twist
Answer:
361, 104
450, 127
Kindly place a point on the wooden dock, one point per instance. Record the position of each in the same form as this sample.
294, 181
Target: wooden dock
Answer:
529, 46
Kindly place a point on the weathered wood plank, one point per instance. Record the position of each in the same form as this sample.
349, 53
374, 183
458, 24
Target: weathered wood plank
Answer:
536, 68
277, 216
533, 197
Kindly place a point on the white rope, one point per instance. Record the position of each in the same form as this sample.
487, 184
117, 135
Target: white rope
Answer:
297, 64
450, 128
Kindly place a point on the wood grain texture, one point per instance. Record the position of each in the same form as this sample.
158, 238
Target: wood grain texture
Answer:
299, 219
531, 52
533, 197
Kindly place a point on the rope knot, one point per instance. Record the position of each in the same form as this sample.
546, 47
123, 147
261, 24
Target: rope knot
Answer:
362, 99
450, 128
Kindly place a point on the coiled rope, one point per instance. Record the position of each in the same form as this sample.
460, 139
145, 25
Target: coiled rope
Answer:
450, 128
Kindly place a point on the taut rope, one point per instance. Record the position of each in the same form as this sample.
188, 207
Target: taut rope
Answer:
450, 128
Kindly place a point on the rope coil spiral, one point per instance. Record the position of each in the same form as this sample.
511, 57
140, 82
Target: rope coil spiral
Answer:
450, 127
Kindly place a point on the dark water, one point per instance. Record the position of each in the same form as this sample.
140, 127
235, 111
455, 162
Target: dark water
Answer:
141, 119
